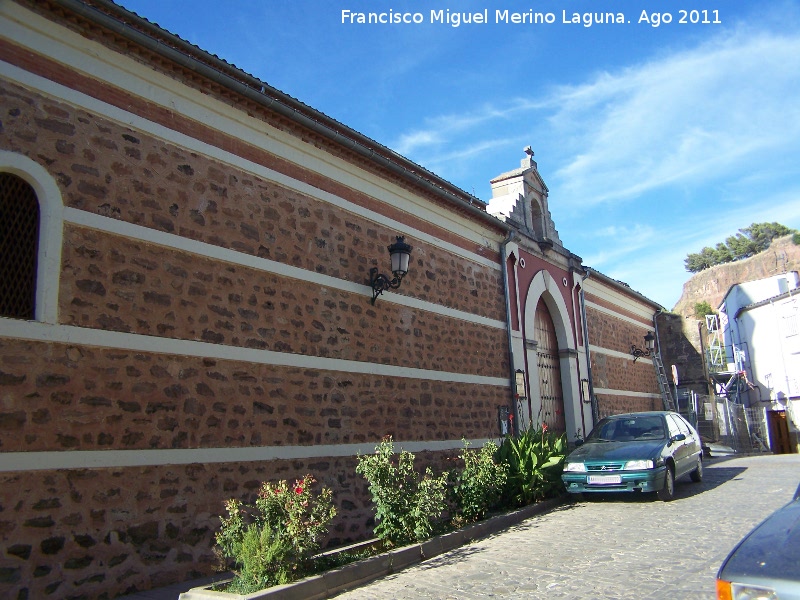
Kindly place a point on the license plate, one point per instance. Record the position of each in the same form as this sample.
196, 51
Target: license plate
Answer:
604, 479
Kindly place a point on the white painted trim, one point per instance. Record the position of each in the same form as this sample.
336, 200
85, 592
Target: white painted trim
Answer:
543, 286
69, 48
206, 250
105, 459
51, 207
68, 334
610, 392
616, 315
614, 353
596, 288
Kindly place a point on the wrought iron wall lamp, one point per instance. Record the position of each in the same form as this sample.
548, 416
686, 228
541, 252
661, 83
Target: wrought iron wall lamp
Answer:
400, 252
649, 346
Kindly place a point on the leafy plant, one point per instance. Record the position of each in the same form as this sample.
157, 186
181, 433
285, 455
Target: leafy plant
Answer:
273, 541
407, 507
478, 487
535, 461
701, 309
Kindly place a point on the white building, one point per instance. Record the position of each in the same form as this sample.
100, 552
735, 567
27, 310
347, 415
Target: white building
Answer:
761, 329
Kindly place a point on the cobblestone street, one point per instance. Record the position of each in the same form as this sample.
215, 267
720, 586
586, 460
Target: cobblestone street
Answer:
623, 547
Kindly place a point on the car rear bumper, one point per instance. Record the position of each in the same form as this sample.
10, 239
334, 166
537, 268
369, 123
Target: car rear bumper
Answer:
650, 480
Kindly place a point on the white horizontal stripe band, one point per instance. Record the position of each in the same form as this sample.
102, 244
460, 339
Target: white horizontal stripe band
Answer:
192, 144
104, 459
170, 240
615, 353
68, 334
610, 392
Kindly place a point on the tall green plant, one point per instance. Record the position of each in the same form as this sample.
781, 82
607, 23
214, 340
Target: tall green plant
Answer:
535, 461
273, 541
478, 487
408, 507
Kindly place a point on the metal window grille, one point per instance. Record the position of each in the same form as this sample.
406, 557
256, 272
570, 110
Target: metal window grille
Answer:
19, 242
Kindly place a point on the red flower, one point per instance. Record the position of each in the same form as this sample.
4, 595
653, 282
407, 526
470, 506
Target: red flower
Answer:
544, 427
298, 489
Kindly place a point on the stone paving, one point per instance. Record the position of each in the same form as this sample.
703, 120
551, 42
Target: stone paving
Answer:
622, 547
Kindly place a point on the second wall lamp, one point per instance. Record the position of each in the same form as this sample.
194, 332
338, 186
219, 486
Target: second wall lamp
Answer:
400, 253
649, 346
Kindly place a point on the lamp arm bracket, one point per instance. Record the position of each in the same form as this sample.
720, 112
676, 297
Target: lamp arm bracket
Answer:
638, 353
380, 282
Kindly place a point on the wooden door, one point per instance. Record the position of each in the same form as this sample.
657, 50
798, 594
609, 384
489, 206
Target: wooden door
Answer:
549, 363
779, 431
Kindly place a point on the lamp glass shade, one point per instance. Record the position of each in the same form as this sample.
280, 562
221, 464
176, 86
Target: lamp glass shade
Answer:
649, 341
400, 253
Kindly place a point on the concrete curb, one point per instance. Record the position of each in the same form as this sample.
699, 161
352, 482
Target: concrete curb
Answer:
350, 576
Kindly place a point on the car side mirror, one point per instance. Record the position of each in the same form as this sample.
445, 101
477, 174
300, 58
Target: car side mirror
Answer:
677, 438
579, 442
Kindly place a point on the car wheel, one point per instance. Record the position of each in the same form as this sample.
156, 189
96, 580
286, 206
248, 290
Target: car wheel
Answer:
697, 474
667, 493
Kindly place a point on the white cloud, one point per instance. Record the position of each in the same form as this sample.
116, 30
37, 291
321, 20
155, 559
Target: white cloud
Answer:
614, 242
654, 266
694, 115
691, 145
442, 132
410, 142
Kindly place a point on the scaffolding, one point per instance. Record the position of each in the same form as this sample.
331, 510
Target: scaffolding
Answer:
715, 353
727, 418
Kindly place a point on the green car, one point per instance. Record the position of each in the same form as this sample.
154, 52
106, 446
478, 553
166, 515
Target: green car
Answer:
635, 452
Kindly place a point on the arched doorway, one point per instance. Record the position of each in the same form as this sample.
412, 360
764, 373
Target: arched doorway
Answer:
549, 367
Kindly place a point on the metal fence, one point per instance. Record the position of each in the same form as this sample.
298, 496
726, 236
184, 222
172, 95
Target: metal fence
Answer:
726, 424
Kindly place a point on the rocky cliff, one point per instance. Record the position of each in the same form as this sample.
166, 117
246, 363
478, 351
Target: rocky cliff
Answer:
712, 284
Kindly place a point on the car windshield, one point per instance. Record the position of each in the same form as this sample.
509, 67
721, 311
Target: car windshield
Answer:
628, 429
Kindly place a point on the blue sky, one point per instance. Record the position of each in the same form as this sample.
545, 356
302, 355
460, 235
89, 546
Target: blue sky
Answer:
653, 141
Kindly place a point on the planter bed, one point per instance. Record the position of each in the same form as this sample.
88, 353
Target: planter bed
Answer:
336, 581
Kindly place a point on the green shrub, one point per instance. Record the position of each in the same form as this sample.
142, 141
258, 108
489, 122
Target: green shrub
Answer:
407, 508
701, 309
535, 461
273, 542
479, 486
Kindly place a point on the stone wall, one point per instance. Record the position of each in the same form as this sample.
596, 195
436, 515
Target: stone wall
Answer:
214, 304
620, 383
87, 398
677, 349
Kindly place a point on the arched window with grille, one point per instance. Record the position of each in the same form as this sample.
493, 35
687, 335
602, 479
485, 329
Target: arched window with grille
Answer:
19, 247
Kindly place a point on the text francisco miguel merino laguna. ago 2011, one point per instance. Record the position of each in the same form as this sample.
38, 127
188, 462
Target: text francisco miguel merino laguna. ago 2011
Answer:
507, 17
